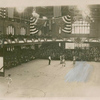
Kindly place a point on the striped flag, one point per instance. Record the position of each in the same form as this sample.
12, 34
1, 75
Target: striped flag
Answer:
68, 24
36, 24
64, 24
3, 12
33, 29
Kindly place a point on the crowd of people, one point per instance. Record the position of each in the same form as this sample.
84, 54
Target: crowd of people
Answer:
21, 37
48, 49
81, 54
17, 56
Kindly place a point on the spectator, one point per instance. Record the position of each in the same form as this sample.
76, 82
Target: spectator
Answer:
74, 59
9, 81
49, 60
63, 62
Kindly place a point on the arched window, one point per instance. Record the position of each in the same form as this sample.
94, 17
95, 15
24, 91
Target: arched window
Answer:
80, 27
22, 31
10, 30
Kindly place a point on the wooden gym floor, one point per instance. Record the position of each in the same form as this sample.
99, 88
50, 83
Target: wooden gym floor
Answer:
38, 79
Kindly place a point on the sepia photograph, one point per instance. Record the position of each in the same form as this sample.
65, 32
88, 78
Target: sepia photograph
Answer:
49, 49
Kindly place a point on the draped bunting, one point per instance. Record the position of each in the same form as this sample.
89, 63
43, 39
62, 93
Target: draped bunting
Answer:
36, 24
33, 28
65, 23
33, 20
68, 26
3, 12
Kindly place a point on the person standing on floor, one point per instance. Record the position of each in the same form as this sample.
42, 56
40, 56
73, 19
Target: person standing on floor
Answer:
74, 59
9, 81
63, 62
60, 59
49, 60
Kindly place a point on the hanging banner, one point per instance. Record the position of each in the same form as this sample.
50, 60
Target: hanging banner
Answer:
57, 11
69, 45
10, 12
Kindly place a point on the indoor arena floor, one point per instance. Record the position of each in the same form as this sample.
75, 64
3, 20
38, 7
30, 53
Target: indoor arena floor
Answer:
38, 79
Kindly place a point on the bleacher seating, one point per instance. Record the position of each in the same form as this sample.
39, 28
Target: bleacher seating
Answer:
13, 58
86, 54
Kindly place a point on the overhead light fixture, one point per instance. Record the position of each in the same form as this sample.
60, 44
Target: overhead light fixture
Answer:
83, 8
44, 17
85, 11
20, 9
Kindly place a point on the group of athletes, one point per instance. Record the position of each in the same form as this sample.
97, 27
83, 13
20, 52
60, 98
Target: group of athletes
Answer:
62, 60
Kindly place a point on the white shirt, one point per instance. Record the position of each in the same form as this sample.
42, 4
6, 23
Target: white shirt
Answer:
49, 58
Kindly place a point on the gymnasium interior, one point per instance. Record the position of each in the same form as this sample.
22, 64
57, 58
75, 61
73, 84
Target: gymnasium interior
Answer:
29, 35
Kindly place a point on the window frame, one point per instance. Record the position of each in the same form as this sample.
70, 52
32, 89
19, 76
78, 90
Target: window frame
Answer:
81, 27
